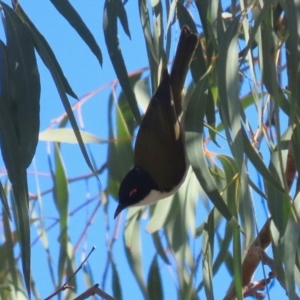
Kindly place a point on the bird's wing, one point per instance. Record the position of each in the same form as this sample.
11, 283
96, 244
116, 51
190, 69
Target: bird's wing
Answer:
159, 147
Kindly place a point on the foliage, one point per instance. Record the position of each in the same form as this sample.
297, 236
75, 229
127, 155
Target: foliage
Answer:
241, 124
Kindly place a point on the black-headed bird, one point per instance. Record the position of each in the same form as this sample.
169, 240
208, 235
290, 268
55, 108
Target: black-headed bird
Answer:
160, 162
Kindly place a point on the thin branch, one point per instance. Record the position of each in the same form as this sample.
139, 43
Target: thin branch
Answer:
93, 291
65, 285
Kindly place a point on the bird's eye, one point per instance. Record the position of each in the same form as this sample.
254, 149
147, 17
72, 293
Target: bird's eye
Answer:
132, 192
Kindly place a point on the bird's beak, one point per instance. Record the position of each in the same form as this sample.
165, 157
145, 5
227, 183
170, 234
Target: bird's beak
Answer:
119, 209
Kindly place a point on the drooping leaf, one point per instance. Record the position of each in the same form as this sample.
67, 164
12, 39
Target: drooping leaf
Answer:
133, 248
60, 85
120, 154
4, 198
153, 56
292, 55
228, 85
9, 245
116, 285
237, 261
194, 144
207, 256
258, 163
155, 289
24, 83
206, 21
43, 48
61, 199
20, 207
290, 241
278, 201
14, 159
142, 93
71, 15
123, 18
67, 135
157, 240
269, 44
110, 28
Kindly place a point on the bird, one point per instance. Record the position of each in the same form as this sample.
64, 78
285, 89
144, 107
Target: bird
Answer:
160, 160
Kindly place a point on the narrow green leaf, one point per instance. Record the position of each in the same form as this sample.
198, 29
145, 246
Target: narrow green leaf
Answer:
61, 199
207, 256
215, 22
279, 206
180, 237
153, 56
296, 145
112, 43
9, 253
122, 15
59, 82
25, 83
67, 135
231, 171
223, 251
159, 214
278, 252
184, 17
11, 155
290, 241
258, 163
269, 44
120, 151
210, 114
292, 55
158, 35
71, 15
157, 240
194, 145
42, 46
116, 285
4, 198
132, 243
189, 196
228, 84
202, 7
142, 93
71, 266
246, 210
61, 192
19, 187
237, 263
88, 275
155, 289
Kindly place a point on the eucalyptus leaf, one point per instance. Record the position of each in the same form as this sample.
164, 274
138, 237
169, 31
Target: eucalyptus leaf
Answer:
42, 47
61, 199
133, 250
110, 29
155, 289
71, 15
67, 135
24, 84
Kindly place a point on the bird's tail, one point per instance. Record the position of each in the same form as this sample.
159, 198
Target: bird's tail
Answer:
187, 44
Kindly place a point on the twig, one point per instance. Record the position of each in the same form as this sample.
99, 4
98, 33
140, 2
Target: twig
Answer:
65, 285
88, 224
71, 180
92, 291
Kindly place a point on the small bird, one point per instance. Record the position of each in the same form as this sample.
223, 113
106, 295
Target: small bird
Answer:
160, 162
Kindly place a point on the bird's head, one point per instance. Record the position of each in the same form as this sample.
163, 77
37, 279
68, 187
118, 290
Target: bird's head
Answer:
135, 187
